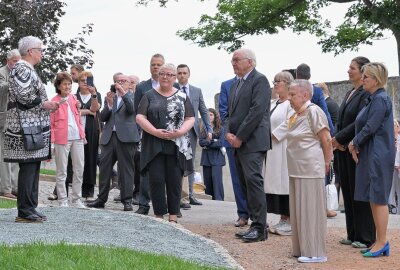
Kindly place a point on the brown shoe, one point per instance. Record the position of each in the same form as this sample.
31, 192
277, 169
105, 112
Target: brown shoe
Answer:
241, 222
331, 213
8, 195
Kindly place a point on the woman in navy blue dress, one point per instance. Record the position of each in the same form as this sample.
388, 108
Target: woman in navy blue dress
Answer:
373, 150
212, 158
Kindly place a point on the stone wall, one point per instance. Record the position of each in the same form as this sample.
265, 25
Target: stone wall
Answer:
339, 89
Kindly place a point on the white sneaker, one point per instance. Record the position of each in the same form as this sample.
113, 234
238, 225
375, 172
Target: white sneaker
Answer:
312, 259
63, 203
273, 228
285, 229
79, 204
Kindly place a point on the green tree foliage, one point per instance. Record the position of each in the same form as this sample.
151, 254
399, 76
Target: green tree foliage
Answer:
364, 22
41, 18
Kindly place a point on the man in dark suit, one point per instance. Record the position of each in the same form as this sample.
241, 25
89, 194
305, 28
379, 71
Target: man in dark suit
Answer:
196, 98
241, 202
248, 130
333, 107
157, 60
118, 142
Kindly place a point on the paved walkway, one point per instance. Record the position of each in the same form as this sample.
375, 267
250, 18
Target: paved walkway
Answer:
112, 226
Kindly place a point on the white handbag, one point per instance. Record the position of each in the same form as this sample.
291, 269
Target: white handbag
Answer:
331, 197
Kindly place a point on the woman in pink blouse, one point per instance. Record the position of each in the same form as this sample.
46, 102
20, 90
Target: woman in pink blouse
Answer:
68, 135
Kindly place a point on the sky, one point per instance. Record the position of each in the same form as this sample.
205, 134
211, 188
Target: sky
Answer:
126, 36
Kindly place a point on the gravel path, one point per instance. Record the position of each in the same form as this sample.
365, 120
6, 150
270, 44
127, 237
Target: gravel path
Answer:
112, 228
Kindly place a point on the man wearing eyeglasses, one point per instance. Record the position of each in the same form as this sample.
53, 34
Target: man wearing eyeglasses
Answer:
118, 142
248, 130
8, 171
196, 98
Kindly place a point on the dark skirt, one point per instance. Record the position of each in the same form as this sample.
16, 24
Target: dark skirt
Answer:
277, 204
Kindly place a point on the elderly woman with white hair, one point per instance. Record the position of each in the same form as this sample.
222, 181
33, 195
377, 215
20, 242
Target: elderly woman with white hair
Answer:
166, 115
28, 107
309, 153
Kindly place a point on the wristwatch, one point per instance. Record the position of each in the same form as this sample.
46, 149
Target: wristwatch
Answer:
94, 96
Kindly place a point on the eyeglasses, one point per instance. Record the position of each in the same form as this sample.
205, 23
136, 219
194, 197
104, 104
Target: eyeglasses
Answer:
163, 74
276, 82
39, 49
236, 60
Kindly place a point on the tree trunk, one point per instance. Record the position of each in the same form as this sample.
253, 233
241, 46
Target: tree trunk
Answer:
397, 36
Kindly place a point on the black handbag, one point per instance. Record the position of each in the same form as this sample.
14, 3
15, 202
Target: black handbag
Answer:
33, 138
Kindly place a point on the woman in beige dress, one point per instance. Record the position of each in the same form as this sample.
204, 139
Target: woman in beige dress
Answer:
309, 153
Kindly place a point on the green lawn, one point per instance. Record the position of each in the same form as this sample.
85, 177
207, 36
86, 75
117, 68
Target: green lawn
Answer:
48, 172
4, 203
64, 256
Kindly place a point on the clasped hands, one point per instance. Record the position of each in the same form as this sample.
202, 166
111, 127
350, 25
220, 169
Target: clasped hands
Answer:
167, 134
233, 140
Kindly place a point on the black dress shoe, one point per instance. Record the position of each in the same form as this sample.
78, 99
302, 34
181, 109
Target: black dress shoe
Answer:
43, 217
254, 236
243, 233
29, 219
184, 206
194, 201
96, 204
143, 210
128, 206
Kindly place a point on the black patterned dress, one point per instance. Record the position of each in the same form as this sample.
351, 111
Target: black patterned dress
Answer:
28, 92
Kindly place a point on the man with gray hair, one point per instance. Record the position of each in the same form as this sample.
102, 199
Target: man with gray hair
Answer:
248, 130
8, 171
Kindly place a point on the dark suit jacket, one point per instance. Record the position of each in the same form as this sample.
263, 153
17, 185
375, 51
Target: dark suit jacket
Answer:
223, 102
345, 127
319, 99
197, 100
141, 88
248, 116
123, 118
333, 109
211, 154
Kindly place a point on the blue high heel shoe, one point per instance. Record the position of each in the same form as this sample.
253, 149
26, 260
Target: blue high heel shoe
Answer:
385, 251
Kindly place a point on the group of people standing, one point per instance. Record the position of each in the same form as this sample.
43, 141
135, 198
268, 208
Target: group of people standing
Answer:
304, 138
159, 119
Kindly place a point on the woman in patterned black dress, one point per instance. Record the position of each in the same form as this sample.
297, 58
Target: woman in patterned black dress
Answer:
28, 106
166, 115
